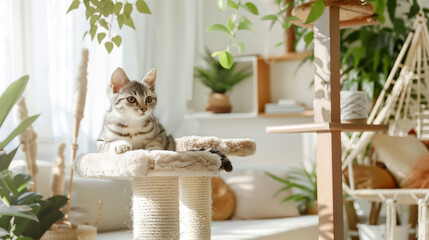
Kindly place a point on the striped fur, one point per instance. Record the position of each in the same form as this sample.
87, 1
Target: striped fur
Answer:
130, 122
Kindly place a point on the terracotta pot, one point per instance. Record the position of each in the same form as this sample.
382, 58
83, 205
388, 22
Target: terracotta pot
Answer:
312, 209
219, 103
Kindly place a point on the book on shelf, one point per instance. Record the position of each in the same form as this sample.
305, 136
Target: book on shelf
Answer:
289, 106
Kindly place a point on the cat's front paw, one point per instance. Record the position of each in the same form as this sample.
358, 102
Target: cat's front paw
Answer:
123, 148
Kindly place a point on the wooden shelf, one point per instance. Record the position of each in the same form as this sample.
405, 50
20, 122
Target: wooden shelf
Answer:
306, 113
325, 127
292, 56
210, 115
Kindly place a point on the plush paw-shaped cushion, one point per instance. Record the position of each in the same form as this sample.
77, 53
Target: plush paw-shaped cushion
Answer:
223, 200
370, 177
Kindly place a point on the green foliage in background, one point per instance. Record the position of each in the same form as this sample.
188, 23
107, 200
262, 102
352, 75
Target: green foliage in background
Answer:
218, 78
368, 53
286, 22
236, 22
303, 183
23, 214
103, 14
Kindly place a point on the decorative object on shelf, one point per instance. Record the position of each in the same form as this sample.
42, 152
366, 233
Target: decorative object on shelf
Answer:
29, 145
220, 81
66, 229
304, 185
284, 106
355, 107
101, 15
223, 200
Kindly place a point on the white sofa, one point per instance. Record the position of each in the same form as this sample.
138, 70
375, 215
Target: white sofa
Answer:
247, 182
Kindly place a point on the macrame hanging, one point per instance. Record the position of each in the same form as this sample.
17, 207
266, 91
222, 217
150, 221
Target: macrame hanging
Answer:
402, 105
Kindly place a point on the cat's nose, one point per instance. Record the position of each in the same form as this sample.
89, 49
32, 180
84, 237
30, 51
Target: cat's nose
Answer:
143, 109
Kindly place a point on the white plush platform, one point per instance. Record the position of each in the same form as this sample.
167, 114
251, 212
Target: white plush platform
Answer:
303, 227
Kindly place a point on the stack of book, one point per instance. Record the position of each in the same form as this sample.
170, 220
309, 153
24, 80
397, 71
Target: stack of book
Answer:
284, 106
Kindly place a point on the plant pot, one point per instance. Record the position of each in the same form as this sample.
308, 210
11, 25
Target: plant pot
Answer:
313, 209
378, 232
355, 106
219, 103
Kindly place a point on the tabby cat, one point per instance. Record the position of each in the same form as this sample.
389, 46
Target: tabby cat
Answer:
130, 122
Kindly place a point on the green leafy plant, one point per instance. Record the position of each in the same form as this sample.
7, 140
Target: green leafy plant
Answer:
103, 14
304, 186
368, 53
280, 17
23, 214
218, 78
236, 22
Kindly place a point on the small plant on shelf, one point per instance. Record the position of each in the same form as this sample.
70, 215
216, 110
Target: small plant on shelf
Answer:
303, 183
220, 81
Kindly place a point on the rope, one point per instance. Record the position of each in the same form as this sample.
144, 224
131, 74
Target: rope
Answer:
354, 105
423, 218
82, 232
196, 202
390, 219
156, 208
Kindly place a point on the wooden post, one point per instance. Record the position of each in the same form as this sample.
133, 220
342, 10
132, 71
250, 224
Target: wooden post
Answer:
290, 32
327, 110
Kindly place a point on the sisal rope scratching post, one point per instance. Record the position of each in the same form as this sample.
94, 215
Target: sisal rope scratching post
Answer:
196, 211
162, 179
158, 199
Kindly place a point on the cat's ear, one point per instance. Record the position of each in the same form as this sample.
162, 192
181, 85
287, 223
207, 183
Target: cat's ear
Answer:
119, 79
150, 78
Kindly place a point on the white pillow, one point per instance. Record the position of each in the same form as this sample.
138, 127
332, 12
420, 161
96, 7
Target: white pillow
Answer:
399, 154
255, 194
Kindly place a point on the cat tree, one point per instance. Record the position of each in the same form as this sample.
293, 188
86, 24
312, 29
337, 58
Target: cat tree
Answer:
171, 190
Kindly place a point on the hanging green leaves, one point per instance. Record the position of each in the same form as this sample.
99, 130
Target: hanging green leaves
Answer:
103, 14
236, 22
316, 11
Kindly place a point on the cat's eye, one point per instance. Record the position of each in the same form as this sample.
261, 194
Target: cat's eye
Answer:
149, 99
131, 99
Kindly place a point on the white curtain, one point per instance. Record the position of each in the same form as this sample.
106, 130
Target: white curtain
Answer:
165, 40
38, 38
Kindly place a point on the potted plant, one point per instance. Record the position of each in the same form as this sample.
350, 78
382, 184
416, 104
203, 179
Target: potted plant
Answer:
304, 186
220, 80
23, 214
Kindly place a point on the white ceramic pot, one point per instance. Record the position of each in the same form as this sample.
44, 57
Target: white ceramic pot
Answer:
378, 232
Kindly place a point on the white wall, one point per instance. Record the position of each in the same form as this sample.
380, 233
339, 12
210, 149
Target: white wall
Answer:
286, 82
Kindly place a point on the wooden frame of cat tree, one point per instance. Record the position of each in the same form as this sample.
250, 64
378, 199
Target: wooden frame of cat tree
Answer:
327, 123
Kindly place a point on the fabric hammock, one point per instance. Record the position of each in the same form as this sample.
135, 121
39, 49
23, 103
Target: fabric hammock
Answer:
402, 105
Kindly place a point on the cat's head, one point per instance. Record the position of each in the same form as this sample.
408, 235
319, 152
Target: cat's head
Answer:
133, 98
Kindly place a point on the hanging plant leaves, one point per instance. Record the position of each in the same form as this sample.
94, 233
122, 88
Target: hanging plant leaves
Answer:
221, 5
226, 59
142, 7
117, 40
100, 37
316, 11
219, 27
108, 46
74, 5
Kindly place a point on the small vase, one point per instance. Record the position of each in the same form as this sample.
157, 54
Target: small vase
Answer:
313, 209
219, 103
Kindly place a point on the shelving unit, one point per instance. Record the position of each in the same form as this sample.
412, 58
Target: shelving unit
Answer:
327, 122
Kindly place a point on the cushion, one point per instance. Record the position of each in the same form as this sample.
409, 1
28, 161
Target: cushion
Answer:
419, 176
399, 154
223, 200
370, 177
255, 194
